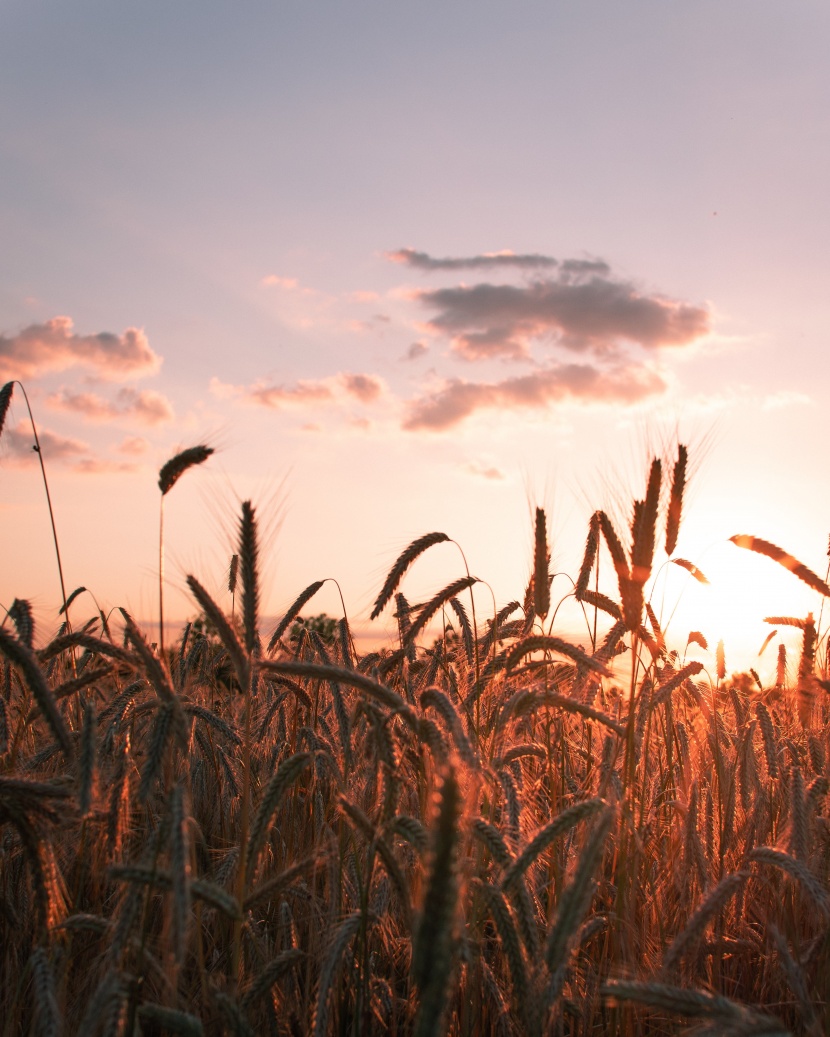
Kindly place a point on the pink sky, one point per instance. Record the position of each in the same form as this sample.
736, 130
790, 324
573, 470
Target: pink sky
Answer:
406, 279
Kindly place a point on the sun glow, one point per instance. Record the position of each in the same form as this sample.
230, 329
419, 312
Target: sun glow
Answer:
744, 590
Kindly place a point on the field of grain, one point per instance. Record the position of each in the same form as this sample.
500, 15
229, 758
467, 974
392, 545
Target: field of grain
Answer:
488, 830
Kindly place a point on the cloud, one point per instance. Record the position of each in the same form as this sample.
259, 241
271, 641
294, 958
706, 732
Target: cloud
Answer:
580, 309
486, 260
100, 466
145, 406
275, 281
20, 443
61, 450
53, 346
484, 471
365, 388
785, 398
416, 350
133, 446
585, 383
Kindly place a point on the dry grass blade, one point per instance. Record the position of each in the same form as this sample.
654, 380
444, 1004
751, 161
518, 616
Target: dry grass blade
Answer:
26, 661
543, 643
293, 611
541, 566
435, 603
764, 547
403, 562
175, 468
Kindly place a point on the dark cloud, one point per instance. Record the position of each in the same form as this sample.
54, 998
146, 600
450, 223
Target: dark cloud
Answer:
53, 346
144, 406
484, 261
580, 310
586, 383
416, 350
365, 387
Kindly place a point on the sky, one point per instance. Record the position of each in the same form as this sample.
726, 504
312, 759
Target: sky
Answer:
411, 268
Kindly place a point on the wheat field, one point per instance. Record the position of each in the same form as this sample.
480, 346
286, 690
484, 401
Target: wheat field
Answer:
482, 829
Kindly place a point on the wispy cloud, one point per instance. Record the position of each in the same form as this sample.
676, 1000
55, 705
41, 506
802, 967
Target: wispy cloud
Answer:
484, 261
586, 383
365, 388
101, 466
581, 311
144, 406
53, 346
483, 470
133, 446
290, 284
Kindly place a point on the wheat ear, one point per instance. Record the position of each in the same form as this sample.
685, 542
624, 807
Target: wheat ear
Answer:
764, 547
678, 486
403, 562
293, 611
541, 566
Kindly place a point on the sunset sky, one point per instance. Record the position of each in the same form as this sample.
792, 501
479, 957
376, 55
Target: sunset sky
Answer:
413, 267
